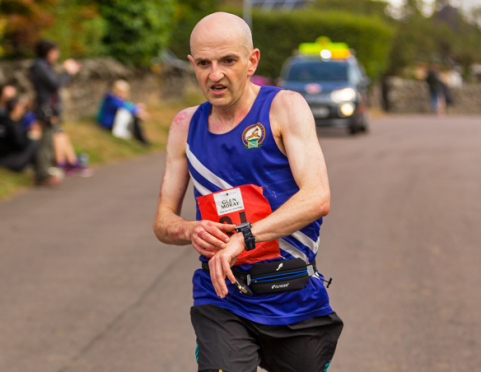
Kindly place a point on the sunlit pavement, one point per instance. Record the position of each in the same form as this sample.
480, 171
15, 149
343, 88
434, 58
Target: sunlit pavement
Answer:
86, 287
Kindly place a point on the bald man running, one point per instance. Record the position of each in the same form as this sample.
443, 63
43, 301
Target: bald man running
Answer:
261, 187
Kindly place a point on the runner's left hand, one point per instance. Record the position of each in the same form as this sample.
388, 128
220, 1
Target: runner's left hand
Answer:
220, 264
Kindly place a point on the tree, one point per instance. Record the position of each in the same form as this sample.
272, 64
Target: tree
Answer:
136, 31
78, 29
24, 22
3, 24
474, 16
444, 38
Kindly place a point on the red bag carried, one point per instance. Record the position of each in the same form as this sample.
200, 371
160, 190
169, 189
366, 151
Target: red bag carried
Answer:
237, 205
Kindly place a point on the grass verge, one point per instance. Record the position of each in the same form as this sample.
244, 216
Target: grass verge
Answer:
102, 147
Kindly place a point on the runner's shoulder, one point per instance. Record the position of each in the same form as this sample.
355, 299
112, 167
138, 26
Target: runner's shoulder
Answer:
287, 100
181, 121
288, 105
179, 130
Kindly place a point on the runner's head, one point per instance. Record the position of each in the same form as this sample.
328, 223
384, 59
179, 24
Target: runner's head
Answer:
223, 57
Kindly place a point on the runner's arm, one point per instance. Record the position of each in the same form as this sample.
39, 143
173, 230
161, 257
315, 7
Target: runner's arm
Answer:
295, 124
168, 226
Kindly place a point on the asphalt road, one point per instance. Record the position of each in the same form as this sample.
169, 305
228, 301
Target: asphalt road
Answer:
85, 286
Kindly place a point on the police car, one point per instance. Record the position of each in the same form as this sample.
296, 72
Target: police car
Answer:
333, 83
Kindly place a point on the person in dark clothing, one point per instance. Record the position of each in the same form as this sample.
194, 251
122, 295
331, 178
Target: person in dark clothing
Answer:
48, 107
435, 89
7, 92
18, 148
448, 95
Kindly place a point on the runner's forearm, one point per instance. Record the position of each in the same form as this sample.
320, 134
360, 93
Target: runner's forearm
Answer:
300, 210
172, 229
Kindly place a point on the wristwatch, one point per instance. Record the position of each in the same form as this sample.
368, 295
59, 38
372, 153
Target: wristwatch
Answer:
245, 229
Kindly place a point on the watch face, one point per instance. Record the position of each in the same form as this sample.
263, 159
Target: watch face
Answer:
243, 225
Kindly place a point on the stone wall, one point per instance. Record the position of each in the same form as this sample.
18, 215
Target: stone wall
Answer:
81, 96
171, 80
412, 96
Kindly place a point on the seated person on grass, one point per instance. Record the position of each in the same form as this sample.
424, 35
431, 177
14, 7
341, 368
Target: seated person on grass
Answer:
65, 157
121, 117
18, 147
7, 92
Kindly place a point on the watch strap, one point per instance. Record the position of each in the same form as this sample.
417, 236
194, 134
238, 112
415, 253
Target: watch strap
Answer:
249, 239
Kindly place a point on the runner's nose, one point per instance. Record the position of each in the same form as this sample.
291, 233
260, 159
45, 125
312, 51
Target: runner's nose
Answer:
216, 73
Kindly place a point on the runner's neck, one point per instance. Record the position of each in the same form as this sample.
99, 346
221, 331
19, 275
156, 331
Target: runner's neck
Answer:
224, 119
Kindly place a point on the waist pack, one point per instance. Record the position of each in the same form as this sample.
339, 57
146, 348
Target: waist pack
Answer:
273, 277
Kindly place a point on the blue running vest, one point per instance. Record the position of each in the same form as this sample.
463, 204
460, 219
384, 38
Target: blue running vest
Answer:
222, 161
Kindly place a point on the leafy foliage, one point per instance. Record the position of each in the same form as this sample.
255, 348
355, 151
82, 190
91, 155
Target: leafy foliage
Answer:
137, 30
3, 24
74, 25
78, 28
24, 22
131, 31
444, 38
187, 14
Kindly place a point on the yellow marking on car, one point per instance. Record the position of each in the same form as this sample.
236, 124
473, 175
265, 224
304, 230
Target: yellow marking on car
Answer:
323, 44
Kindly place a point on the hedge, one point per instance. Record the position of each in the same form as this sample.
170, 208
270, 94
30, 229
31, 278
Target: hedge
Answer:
277, 34
180, 39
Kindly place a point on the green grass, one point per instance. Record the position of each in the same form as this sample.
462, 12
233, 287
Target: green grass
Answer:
11, 182
102, 147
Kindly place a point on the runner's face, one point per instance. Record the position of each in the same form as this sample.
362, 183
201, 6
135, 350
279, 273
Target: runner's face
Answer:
223, 70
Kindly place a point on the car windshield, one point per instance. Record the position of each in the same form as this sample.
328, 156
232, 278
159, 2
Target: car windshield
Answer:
307, 71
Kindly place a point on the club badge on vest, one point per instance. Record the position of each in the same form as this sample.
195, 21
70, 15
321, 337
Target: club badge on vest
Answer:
253, 136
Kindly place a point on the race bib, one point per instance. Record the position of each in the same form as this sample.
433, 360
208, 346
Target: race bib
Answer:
237, 205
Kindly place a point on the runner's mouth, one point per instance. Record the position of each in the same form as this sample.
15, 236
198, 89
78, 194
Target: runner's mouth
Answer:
218, 88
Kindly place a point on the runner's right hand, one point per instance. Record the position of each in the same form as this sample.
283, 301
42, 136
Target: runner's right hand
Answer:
208, 237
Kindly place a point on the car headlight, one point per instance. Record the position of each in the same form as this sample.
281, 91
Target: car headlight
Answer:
347, 109
343, 95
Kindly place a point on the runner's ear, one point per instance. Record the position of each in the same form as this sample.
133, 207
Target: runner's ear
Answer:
254, 57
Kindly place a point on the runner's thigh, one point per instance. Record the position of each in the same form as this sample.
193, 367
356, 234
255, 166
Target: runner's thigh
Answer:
223, 341
307, 346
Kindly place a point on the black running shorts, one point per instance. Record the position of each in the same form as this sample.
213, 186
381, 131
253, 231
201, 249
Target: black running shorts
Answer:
230, 343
